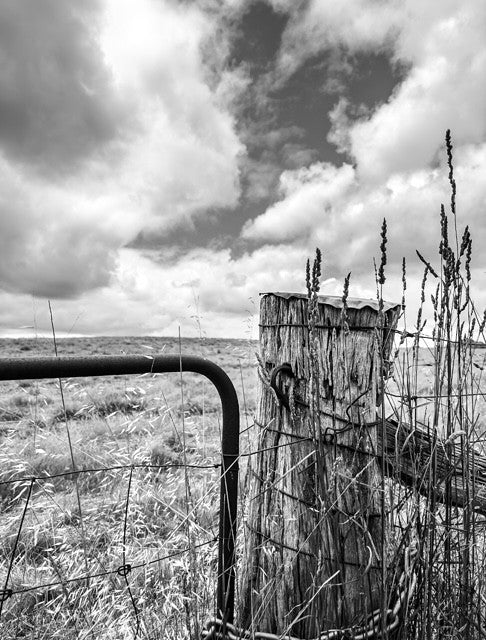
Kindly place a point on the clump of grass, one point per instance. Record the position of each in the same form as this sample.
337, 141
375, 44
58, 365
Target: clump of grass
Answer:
436, 391
116, 403
162, 454
10, 414
70, 411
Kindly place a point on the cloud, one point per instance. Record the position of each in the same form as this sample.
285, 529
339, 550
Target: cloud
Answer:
441, 50
123, 117
57, 100
443, 89
314, 27
329, 207
57, 241
156, 294
270, 149
341, 117
311, 195
184, 157
108, 126
396, 150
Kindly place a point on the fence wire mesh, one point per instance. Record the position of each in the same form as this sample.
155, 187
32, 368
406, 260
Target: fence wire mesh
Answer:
110, 505
143, 563
431, 447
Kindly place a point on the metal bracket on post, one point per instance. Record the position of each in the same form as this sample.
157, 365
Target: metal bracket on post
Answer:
281, 368
86, 366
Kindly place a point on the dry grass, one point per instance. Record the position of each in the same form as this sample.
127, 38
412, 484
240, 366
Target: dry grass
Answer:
119, 421
438, 386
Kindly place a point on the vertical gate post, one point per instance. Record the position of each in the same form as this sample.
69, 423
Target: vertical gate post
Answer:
313, 540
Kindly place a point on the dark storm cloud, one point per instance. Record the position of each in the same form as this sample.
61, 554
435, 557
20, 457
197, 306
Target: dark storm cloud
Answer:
56, 99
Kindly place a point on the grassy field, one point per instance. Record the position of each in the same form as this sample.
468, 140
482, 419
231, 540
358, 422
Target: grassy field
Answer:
127, 516
152, 504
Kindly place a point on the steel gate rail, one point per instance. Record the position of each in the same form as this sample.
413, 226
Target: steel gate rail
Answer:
87, 366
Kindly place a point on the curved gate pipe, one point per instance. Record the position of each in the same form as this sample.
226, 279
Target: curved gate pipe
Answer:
87, 366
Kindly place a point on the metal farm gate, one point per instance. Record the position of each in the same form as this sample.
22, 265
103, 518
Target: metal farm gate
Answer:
89, 366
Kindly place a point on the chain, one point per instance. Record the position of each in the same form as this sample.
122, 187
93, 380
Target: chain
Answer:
216, 629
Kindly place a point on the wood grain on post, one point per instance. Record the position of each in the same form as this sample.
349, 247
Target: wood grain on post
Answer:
313, 526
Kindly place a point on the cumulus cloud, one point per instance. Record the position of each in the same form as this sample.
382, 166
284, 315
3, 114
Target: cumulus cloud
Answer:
224, 284
154, 294
443, 89
396, 150
329, 207
55, 240
119, 117
311, 196
356, 25
184, 156
57, 101
271, 149
108, 126
442, 48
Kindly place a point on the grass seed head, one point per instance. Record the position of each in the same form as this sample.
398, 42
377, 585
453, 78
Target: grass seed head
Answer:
384, 240
452, 182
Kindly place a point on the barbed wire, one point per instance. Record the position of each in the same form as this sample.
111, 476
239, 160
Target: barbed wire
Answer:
214, 627
126, 568
436, 396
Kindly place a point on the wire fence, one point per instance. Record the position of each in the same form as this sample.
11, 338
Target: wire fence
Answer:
429, 442
21, 562
32, 481
127, 549
159, 542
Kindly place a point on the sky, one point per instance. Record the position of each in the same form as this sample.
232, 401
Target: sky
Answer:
163, 162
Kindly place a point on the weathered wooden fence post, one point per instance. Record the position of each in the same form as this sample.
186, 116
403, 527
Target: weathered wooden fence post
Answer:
313, 527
